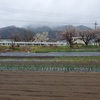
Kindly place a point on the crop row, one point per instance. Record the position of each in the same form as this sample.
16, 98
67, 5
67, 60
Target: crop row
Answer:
50, 68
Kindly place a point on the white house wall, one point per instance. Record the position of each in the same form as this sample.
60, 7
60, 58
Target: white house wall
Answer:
33, 43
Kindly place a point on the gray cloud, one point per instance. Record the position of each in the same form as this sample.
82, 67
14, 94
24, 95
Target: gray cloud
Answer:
24, 12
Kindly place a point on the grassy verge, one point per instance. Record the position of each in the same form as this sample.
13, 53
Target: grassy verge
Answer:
43, 49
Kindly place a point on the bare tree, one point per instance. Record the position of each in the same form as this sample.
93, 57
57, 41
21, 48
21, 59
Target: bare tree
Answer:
97, 39
28, 36
14, 38
68, 35
88, 36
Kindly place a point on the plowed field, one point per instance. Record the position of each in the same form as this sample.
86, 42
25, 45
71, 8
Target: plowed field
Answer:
27, 85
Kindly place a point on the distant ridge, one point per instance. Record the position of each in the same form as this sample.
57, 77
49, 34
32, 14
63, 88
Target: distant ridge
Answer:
6, 32
82, 27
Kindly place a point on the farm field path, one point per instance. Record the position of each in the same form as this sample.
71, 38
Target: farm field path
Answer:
28, 85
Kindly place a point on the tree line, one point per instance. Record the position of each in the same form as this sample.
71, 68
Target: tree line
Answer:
68, 34
86, 36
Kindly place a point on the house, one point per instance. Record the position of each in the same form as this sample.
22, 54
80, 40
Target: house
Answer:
78, 40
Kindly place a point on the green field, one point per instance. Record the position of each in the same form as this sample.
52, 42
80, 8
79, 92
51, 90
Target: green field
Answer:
84, 64
43, 49
53, 63
81, 68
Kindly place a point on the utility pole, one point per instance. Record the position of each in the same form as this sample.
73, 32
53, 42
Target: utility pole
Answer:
95, 25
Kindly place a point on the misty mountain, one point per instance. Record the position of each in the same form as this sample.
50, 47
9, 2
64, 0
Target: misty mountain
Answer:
82, 28
61, 28
7, 32
51, 32
42, 29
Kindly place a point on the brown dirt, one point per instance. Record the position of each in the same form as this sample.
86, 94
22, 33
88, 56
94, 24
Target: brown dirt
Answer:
18, 85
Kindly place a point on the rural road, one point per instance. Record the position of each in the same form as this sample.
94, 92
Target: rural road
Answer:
51, 54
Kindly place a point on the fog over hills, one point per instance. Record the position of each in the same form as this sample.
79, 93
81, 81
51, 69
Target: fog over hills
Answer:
6, 32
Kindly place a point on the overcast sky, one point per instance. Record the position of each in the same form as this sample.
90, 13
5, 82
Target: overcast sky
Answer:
49, 12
